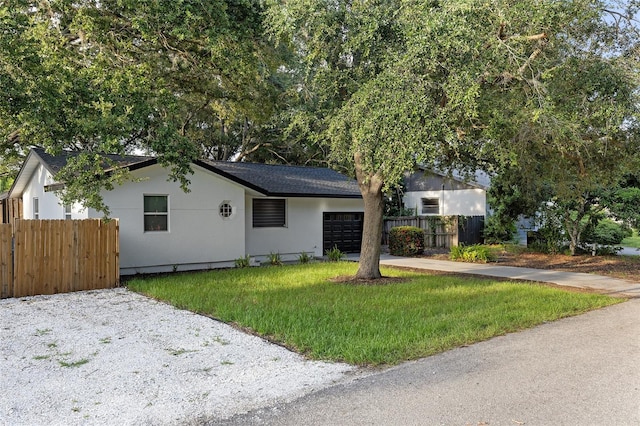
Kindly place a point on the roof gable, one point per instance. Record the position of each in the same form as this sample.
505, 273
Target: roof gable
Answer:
54, 163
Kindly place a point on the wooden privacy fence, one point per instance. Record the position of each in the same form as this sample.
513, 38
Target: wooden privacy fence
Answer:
440, 231
6, 260
11, 210
59, 256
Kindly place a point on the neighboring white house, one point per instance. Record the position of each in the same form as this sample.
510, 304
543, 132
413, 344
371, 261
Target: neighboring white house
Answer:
232, 210
432, 193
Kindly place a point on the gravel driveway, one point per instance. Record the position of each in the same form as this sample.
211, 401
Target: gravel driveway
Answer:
116, 357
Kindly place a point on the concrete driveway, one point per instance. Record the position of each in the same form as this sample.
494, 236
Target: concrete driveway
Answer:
583, 370
629, 251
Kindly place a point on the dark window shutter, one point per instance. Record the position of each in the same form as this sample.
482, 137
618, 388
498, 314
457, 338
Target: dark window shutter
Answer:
269, 213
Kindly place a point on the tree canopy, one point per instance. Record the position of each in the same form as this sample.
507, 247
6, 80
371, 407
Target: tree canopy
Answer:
175, 79
464, 83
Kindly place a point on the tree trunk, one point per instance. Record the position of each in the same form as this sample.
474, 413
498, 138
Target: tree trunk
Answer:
574, 228
574, 238
371, 190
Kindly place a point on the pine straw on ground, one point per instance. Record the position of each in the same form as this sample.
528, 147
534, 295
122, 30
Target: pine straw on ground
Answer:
623, 267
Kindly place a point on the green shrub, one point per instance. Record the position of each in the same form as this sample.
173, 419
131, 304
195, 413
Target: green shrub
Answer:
548, 239
607, 233
473, 253
499, 229
275, 259
406, 241
304, 257
334, 254
243, 262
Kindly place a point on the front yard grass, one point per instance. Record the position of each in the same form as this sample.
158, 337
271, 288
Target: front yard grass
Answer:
633, 241
299, 307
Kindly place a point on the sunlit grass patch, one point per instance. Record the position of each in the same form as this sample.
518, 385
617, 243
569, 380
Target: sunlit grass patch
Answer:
300, 307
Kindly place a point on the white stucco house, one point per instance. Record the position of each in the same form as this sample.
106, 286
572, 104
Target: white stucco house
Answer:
232, 210
432, 193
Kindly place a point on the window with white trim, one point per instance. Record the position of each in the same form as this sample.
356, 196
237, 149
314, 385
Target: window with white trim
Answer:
430, 206
225, 210
67, 212
156, 213
36, 208
269, 213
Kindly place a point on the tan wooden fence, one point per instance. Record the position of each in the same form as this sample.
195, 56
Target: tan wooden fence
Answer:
11, 210
6, 260
59, 256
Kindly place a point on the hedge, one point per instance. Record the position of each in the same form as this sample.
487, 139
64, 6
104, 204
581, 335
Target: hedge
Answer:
406, 241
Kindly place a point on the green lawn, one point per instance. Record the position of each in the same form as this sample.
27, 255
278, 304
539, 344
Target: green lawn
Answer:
633, 241
366, 324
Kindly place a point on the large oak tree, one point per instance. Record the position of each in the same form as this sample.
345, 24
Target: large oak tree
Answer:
454, 83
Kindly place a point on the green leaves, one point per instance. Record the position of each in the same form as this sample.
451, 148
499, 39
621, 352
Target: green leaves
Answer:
121, 75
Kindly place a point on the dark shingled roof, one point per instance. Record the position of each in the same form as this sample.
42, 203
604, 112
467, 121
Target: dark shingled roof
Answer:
268, 179
56, 162
287, 181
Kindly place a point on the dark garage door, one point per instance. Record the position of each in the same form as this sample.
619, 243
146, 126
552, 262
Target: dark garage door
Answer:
343, 230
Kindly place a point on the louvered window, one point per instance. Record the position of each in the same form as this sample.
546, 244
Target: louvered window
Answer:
430, 206
269, 213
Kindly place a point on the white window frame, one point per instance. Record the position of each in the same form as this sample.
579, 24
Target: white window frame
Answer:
36, 208
226, 210
157, 213
66, 209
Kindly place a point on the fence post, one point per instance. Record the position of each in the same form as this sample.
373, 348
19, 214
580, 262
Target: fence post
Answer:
456, 231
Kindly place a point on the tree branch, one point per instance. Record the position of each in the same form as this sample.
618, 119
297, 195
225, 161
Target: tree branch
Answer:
538, 50
535, 37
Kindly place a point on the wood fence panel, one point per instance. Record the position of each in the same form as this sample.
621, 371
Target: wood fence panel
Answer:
6, 261
67, 247
439, 232
471, 230
12, 210
58, 256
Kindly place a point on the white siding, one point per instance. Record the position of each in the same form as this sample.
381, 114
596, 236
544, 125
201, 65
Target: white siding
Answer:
465, 202
303, 232
198, 237
49, 204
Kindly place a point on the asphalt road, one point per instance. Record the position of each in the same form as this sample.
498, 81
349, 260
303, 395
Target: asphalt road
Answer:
583, 370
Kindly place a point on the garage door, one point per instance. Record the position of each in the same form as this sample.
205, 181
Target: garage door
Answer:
343, 230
